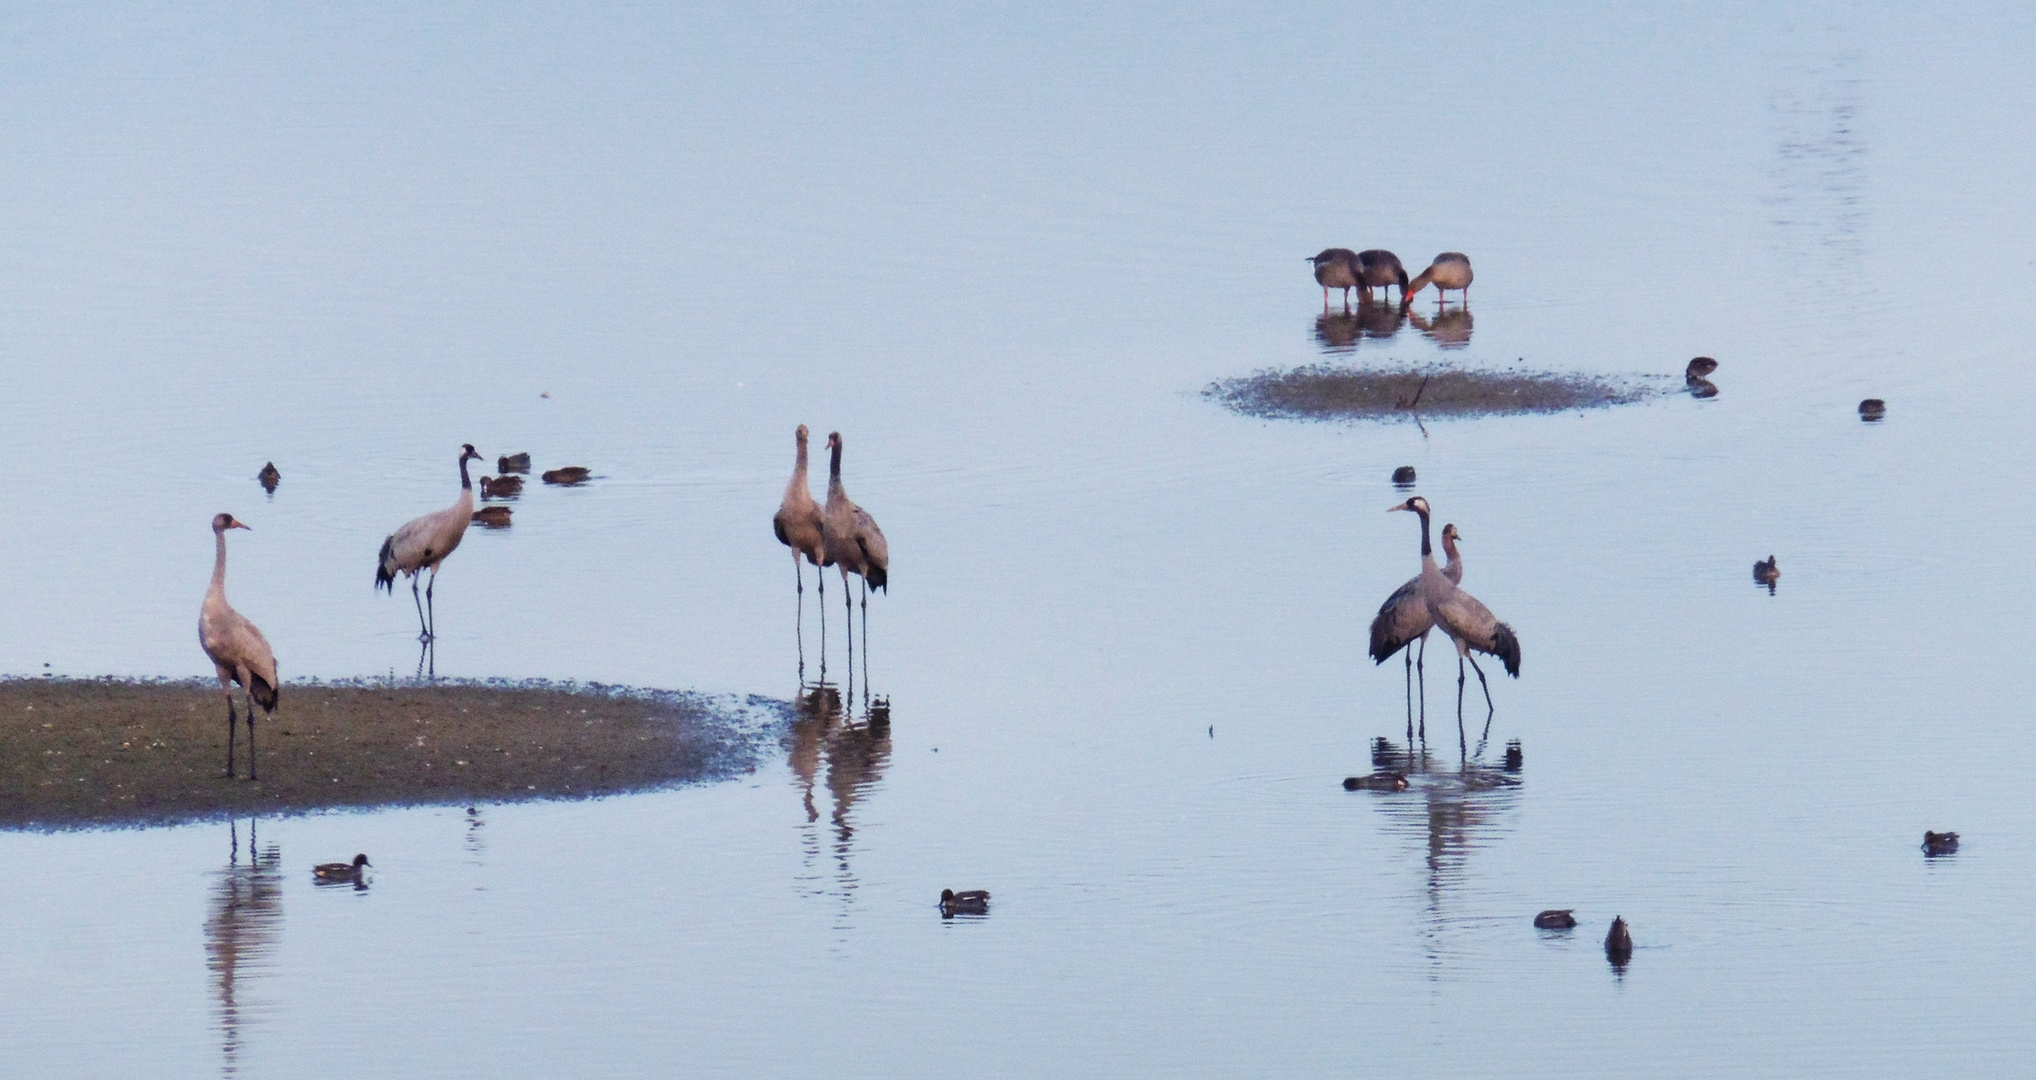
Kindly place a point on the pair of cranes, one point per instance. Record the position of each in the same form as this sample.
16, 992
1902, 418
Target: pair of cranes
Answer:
1432, 599
840, 534
239, 652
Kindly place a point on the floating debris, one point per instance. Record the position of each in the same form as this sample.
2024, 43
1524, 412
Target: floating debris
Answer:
269, 477
1872, 409
1404, 476
1385, 781
501, 487
1326, 392
1940, 843
513, 463
568, 476
492, 517
1554, 919
965, 902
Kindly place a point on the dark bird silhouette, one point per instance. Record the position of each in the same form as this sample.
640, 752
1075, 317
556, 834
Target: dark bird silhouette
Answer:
965, 902
1381, 269
239, 652
513, 463
1403, 475
339, 871
269, 478
1336, 268
1700, 367
497, 487
1385, 781
1554, 919
1872, 409
568, 476
492, 517
1940, 843
423, 543
1765, 572
1450, 270
1618, 944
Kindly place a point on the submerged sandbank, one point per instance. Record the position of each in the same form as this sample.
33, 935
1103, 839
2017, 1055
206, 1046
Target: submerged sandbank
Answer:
77, 752
1330, 392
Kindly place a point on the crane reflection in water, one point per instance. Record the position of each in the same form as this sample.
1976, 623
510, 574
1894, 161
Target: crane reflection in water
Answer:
854, 756
242, 928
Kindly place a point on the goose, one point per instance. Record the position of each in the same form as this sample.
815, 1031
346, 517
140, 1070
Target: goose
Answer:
239, 652
1381, 269
423, 543
1450, 270
1336, 268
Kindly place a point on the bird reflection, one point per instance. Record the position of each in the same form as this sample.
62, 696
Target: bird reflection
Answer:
427, 660
854, 756
1449, 329
1446, 814
1340, 331
242, 929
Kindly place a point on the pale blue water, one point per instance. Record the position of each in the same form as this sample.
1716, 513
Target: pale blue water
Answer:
1002, 251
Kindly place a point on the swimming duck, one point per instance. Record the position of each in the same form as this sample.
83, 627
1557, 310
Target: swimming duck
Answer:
1765, 572
269, 477
1619, 943
336, 871
1385, 781
493, 517
1450, 270
1700, 367
1554, 919
498, 486
965, 902
513, 463
1513, 756
1872, 409
1940, 843
1403, 475
571, 474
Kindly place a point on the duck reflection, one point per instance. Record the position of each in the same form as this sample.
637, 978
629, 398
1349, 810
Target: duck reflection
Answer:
1449, 329
1448, 813
854, 756
242, 929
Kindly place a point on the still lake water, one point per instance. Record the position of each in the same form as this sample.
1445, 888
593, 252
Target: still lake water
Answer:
1003, 250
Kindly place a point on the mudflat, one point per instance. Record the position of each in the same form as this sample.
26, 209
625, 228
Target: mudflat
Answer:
1328, 392
86, 752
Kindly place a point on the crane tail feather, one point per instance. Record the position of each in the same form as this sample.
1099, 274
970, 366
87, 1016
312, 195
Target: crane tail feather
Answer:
1506, 647
1382, 643
385, 566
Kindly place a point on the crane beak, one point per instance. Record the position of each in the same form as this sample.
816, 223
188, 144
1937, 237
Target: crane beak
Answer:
1396, 506
239, 525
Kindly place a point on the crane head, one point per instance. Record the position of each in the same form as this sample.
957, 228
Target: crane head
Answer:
1449, 533
223, 522
803, 433
833, 439
1417, 504
468, 453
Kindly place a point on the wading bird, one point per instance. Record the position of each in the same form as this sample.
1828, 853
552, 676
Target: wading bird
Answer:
1381, 269
1450, 270
1336, 268
424, 543
239, 651
850, 537
1403, 619
797, 521
1469, 624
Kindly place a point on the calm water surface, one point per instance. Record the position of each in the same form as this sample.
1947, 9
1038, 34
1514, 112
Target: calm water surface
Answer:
1003, 251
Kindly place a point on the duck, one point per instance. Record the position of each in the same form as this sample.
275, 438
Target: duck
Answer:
1766, 572
269, 477
335, 871
1404, 475
1700, 367
1872, 409
1450, 270
1619, 943
1514, 759
1556, 919
496, 486
571, 474
1384, 781
965, 902
493, 517
513, 463
1940, 843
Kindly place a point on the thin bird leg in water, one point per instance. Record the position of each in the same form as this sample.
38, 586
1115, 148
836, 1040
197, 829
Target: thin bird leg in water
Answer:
1409, 658
1487, 688
1421, 667
423, 631
431, 630
799, 618
231, 720
865, 638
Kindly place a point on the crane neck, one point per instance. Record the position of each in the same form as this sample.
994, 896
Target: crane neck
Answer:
834, 466
799, 467
1427, 551
1449, 549
219, 560
464, 481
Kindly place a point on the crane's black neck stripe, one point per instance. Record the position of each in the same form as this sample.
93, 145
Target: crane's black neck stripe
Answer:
1427, 552
834, 460
465, 484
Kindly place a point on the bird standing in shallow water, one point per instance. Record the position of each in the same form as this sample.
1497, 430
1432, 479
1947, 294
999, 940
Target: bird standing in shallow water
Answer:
1450, 270
1403, 619
239, 652
423, 543
1381, 269
1336, 268
1469, 624
850, 540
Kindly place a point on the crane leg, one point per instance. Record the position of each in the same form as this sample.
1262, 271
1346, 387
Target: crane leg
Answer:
1421, 665
231, 721
423, 633
431, 626
1409, 658
1487, 688
1462, 744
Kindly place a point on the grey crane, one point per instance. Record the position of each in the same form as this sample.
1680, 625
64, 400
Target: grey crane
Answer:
424, 543
1403, 619
1450, 270
1469, 624
797, 521
1381, 269
239, 652
851, 538
1336, 268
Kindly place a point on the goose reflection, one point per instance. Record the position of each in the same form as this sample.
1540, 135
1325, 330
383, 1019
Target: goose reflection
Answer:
242, 929
1447, 814
854, 756
1339, 331
1449, 329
